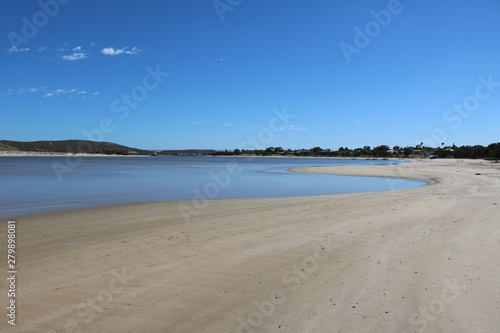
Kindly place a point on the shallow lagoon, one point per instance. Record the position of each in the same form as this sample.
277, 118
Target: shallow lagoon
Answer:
41, 184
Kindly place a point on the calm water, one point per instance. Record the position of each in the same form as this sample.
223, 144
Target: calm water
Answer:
31, 185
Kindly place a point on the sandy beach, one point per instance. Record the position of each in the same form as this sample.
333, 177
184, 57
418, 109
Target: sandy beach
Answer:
417, 260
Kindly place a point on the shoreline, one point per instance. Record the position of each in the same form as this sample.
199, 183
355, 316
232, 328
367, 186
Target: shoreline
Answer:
59, 154
378, 171
33, 153
354, 262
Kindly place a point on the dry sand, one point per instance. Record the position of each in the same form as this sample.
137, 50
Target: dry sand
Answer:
418, 260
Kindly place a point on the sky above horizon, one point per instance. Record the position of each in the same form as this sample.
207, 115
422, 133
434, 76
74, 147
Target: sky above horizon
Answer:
228, 74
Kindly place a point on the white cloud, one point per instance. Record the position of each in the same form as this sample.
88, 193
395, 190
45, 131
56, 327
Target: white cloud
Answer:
75, 56
42, 49
78, 48
58, 92
19, 91
46, 92
113, 52
294, 128
134, 50
229, 125
15, 49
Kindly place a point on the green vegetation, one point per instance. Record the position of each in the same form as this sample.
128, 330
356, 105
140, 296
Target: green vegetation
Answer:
490, 152
71, 146
187, 152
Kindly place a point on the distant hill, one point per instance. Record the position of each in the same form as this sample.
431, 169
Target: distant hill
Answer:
71, 146
187, 152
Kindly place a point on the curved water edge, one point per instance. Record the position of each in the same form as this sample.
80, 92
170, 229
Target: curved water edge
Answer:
365, 172
32, 185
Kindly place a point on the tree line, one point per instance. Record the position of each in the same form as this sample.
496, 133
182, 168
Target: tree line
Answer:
491, 151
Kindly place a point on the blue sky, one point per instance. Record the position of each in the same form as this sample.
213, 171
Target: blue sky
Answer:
352, 73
